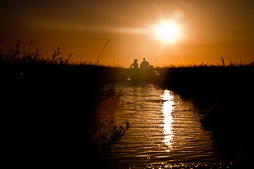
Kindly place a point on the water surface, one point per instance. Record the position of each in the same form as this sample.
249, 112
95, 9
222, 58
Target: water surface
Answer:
165, 129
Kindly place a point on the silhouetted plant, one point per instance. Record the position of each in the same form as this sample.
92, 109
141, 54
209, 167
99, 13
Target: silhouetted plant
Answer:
100, 140
56, 54
98, 59
29, 48
222, 60
14, 55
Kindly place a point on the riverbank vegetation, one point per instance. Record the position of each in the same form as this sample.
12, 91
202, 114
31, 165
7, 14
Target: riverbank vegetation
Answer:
223, 95
48, 104
48, 108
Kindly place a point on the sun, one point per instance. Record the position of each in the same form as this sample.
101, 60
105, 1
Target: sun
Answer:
168, 32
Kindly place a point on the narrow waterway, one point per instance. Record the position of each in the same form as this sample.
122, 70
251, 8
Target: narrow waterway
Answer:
165, 129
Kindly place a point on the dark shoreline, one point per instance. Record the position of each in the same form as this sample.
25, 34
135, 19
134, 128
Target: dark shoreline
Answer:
44, 103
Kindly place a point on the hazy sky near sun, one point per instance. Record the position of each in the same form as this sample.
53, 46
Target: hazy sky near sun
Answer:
210, 29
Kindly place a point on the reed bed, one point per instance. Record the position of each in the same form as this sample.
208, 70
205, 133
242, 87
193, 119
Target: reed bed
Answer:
48, 104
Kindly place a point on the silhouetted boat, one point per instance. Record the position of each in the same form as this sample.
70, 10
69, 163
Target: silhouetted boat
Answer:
149, 75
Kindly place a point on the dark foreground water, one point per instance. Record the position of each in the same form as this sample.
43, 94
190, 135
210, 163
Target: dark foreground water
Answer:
166, 132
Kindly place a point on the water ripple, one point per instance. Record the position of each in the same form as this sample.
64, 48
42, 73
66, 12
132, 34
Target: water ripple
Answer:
164, 129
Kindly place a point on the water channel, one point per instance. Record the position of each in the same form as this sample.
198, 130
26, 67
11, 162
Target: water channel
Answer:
165, 129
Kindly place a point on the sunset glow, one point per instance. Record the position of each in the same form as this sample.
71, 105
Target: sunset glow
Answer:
168, 32
165, 32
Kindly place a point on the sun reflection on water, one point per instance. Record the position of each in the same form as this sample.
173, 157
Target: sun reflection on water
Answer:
167, 110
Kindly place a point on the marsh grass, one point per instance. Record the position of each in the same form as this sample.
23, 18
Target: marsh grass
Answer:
223, 95
52, 99
98, 142
48, 106
102, 136
208, 80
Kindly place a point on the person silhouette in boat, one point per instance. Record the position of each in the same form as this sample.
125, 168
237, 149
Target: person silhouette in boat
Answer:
134, 70
134, 65
144, 65
144, 70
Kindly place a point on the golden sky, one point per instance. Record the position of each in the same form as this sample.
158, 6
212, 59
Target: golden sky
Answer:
210, 29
